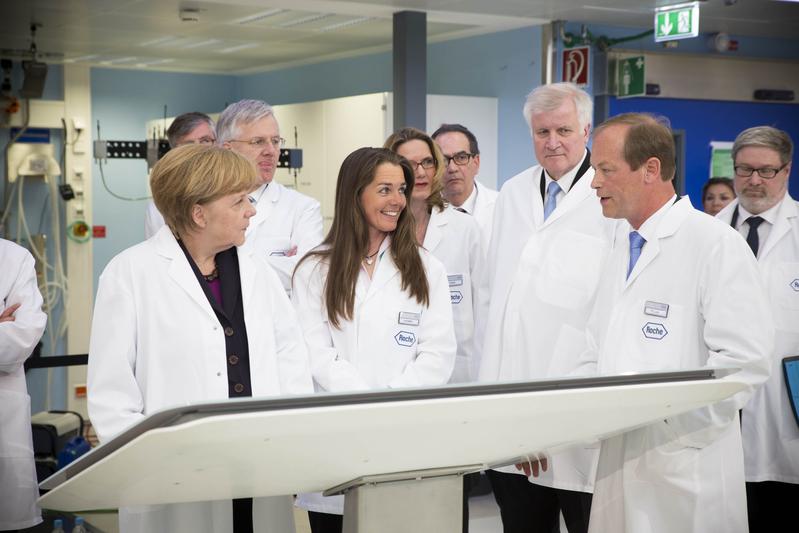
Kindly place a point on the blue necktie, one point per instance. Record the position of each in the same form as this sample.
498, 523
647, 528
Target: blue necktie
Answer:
636, 244
552, 192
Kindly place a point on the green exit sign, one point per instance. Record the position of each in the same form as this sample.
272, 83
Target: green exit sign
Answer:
677, 22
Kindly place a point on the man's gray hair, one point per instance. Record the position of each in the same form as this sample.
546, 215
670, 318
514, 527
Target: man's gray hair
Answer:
184, 124
765, 137
237, 114
545, 98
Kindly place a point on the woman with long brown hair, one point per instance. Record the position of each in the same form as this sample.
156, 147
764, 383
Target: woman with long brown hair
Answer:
374, 307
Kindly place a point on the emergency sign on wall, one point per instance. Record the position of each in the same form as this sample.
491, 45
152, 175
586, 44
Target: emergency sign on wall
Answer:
575, 65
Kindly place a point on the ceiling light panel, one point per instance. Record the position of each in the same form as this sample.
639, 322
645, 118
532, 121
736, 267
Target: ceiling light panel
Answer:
309, 21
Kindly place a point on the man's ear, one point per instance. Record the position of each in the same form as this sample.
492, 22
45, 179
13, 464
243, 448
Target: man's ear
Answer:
652, 169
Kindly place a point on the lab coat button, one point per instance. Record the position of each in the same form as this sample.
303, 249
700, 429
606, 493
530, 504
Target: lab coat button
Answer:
229, 331
233, 359
238, 387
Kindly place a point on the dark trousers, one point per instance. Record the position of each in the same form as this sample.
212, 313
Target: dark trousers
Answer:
529, 508
325, 522
769, 503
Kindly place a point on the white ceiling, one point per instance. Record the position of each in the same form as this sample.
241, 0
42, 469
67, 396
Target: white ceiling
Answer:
241, 36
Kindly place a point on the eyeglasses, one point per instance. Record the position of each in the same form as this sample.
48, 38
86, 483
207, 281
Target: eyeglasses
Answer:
766, 173
461, 158
427, 163
260, 142
202, 140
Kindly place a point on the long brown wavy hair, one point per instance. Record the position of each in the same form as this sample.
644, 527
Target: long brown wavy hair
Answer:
400, 137
347, 242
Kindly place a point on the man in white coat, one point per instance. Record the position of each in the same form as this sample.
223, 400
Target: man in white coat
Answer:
462, 159
287, 223
548, 246
680, 290
768, 218
22, 323
189, 128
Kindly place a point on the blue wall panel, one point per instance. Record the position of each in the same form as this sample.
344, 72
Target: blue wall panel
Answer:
123, 101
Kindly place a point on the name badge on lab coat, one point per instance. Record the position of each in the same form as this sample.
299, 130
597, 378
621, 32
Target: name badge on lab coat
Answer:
656, 309
409, 319
455, 280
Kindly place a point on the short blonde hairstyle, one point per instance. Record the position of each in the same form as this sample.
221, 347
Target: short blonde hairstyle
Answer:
400, 137
197, 174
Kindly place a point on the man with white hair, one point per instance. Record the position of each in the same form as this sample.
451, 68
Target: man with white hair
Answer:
287, 223
548, 245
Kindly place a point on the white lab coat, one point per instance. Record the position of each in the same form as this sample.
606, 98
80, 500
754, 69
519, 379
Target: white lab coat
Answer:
157, 343
483, 210
18, 485
684, 473
770, 432
375, 350
455, 239
544, 281
284, 218
153, 220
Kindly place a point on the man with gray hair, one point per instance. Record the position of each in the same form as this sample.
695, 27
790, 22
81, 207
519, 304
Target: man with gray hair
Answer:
287, 223
547, 247
189, 128
768, 218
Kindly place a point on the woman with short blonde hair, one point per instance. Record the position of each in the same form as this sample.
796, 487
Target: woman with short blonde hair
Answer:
188, 316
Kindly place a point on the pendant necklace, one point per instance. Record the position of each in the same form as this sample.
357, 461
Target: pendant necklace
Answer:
370, 258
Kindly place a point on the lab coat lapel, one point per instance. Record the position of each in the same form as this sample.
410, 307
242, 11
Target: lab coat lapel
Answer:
435, 229
265, 206
782, 226
668, 225
537, 201
179, 268
572, 199
385, 271
247, 274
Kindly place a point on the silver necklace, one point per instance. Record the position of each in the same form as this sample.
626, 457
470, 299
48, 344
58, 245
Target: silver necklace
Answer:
370, 258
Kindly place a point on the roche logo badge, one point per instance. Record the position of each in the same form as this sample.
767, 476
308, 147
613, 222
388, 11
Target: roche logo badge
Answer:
653, 330
405, 338
455, 297
795, 285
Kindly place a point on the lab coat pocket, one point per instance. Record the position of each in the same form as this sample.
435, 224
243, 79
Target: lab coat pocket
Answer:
276, 246
405, 325
660, 333
569, 276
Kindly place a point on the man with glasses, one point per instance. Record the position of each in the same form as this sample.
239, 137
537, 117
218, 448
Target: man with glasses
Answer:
462, 159
188, 128
287, 224
549, 243
768, 218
